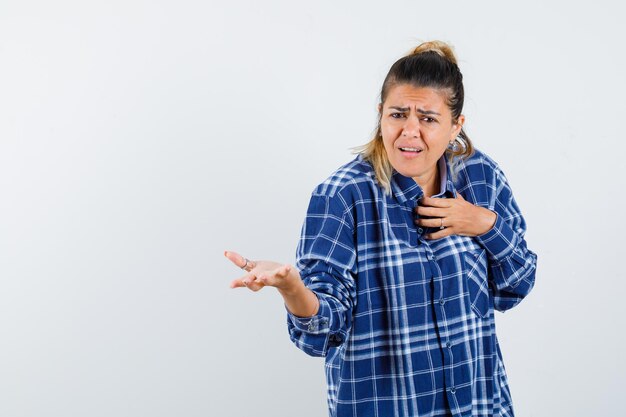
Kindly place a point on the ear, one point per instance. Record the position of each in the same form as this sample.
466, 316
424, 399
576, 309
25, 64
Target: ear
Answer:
458, 126
380, 107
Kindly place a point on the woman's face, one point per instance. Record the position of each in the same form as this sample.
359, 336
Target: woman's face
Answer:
417, 126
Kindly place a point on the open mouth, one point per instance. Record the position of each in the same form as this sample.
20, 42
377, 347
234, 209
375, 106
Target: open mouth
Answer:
411, 150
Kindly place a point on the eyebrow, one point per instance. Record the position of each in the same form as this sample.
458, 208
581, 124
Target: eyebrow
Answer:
422, 111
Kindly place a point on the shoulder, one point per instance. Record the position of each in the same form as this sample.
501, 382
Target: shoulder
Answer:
479, 161
354, 175
479, 168
479, 178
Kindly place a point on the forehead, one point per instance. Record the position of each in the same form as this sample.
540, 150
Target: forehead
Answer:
406, 95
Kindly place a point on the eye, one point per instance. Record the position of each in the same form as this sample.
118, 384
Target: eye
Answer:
428, 119
397, 115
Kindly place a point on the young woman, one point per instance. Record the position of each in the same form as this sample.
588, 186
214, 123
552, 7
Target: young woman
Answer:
405, 253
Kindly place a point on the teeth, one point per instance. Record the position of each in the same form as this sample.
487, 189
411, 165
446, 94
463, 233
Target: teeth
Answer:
410, 149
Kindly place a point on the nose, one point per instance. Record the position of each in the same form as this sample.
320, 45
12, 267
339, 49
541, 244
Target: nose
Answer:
411, 128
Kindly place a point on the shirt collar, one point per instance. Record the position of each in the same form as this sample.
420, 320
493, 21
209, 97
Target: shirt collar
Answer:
406, 189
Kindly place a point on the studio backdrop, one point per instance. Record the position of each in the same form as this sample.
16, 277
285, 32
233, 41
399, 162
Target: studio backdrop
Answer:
139, 140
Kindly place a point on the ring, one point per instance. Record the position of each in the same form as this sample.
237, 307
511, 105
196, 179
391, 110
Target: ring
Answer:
441, 227
246, 265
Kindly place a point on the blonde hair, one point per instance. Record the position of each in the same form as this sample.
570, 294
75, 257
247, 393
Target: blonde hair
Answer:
430, 64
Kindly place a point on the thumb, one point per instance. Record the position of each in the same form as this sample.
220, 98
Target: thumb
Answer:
459, 196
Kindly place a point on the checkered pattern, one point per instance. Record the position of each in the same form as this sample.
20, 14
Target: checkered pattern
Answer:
406, 325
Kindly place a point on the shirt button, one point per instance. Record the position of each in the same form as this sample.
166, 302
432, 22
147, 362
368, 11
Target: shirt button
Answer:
448, 345
442, 301
334, 338
452, 390
431, 257
420, 230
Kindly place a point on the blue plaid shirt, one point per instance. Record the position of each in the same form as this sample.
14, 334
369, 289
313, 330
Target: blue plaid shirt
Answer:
407, 324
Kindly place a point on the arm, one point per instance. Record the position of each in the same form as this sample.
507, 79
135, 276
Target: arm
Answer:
511, 264
319, 301
499, 229
326, 257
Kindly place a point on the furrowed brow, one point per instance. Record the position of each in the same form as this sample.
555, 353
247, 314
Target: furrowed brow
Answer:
421, 111
427, 112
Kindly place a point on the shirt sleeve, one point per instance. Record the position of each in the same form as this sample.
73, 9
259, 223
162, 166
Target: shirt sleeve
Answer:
511, 264
326, 259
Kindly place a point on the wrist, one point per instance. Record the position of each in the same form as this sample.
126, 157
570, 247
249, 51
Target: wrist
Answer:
301, 302
488, 220
292, 290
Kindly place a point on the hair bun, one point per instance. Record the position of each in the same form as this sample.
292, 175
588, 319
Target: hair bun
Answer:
440, 48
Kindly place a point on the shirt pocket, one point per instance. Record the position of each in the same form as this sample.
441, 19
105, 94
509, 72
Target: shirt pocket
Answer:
475, 266
403, 234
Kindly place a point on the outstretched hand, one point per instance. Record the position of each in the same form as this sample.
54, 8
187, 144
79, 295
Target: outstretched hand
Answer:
300, 300
262, 273
454, 216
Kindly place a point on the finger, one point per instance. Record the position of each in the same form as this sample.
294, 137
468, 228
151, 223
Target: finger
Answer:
255, 285
284, 271
237, 283
242, 281
276, 277
434, 202
251, 281
239, 260
430, 222
235, 258
459, 196
430, 211
440, 233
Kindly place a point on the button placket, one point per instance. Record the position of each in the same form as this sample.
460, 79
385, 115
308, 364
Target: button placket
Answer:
445, 342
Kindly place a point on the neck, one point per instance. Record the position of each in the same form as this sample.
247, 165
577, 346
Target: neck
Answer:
429, 182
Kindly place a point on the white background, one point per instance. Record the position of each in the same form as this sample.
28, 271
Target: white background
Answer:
140, 139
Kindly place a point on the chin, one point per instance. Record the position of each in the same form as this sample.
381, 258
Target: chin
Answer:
408, 171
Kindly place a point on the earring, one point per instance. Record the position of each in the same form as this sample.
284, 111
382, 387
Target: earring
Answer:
454, 145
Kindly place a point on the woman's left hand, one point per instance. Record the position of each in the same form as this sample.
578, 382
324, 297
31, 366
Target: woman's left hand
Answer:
456, 215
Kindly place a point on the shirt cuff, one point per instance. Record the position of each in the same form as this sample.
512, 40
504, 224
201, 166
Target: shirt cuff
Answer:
317, 324
500, 241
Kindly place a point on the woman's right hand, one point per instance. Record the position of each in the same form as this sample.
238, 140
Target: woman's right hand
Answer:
264, 273
299, 300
